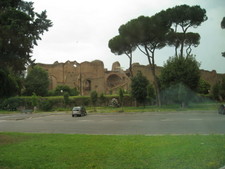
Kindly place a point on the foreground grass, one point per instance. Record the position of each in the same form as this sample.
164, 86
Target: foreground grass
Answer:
58, 151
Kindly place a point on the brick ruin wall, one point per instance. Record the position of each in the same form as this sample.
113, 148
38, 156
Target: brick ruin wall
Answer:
212, 77
89, 76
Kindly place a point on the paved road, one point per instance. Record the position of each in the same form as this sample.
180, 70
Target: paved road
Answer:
208, 122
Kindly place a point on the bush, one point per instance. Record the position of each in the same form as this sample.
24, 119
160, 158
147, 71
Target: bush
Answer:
203, 87
218, 90
36, 82
64, 88
180, 70
66, 98
139, 85
57, 102
151, 96
12, 104
9, 84
102, 99
94, 97
121, 96
45, 105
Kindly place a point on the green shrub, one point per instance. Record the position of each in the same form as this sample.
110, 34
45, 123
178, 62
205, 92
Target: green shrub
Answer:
80, 101
66, 98
102, 99
45, 105
64, 88
12, 104
57, 102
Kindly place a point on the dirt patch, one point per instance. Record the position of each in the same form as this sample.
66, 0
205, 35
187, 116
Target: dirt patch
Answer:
8, 139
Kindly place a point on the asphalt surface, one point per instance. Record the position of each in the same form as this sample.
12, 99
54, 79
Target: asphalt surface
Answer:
152, 123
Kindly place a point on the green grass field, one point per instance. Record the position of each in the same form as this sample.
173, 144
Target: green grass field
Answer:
59, 151
163, 108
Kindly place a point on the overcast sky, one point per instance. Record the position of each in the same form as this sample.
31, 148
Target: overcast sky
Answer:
82, 29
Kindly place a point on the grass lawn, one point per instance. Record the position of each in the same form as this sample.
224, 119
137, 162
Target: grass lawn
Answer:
163, 108
60, 151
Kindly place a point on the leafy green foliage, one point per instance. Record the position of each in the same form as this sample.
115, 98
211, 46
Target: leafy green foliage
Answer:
218, 90
181, 70
150, 93
11, 104
66, 98
37, 82
102, 99
94, 97
151, 33
121, 45
203, 87
179, 77
60, 89
139, 85
45, 104
9, 84
182, 18
187, 40
34, 100
186, 16
55, 103
121, 96
20, 28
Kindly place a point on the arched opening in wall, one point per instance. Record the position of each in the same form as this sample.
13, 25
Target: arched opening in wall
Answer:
113, 81
87, 85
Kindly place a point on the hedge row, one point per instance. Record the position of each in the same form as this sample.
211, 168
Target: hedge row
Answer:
56, 102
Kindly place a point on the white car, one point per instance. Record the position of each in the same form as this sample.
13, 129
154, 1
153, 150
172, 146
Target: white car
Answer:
79, 111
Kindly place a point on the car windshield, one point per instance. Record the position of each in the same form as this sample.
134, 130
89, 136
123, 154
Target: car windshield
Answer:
76, 108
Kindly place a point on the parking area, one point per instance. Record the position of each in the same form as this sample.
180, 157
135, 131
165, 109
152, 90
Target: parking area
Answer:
152, 123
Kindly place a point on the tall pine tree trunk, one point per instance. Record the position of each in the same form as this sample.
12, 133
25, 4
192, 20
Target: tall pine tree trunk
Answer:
152, 67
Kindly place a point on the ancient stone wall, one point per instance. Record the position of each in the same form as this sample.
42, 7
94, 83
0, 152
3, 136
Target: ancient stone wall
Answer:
87, 76
146, 71
212, 77
90, 76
